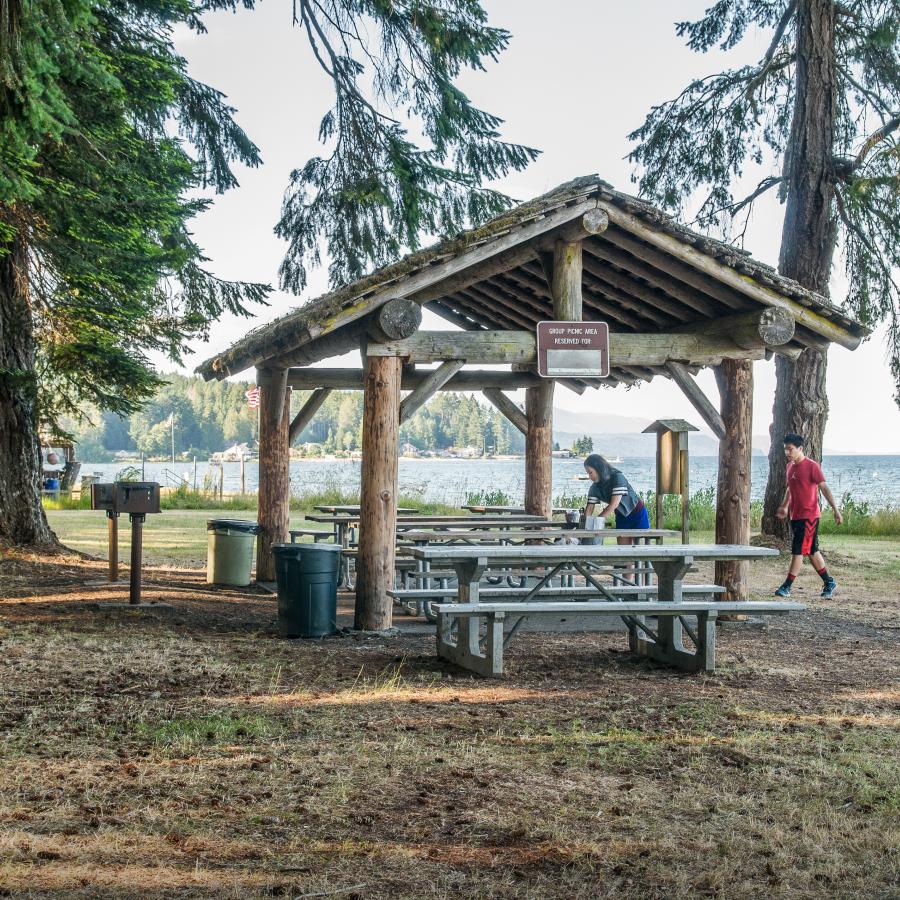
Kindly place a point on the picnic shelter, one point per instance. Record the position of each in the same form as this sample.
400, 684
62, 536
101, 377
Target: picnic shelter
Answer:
675, 301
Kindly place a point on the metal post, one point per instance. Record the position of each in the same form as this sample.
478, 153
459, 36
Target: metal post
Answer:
243, 482
221, 480
137, 539
112, 527
143, 476
195, 474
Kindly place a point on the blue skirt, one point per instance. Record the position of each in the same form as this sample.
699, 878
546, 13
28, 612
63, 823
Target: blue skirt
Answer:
638, 519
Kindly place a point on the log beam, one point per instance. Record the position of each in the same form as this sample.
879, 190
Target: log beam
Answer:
274, 475
306, 413
735, 382
769, 327
682, 377
433, 382
593, 222
378, 493
394, 320
519, 347
507, 407
466, 380
741, 284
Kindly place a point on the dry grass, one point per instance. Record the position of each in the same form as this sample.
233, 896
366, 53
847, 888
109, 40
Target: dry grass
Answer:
188, 752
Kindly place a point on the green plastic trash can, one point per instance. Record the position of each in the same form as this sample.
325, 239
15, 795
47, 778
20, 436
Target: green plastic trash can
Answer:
307, 576
229, 557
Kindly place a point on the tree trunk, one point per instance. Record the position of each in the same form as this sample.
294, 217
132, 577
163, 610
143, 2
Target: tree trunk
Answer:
807, 243
735, 380
22, 519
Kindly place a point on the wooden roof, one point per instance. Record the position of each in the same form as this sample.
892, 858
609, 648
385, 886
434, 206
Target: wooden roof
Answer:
644, 273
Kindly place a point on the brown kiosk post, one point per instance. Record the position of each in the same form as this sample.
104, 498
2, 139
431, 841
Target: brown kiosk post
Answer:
672, 468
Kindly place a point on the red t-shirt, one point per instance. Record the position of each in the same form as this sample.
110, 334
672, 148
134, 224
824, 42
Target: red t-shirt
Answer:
803, 479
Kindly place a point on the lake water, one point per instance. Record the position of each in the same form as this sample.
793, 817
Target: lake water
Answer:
875, 479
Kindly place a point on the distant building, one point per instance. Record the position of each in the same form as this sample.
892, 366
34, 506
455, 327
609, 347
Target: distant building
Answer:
234, 453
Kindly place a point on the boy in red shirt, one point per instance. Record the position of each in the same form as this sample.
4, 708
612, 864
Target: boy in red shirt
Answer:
804, 481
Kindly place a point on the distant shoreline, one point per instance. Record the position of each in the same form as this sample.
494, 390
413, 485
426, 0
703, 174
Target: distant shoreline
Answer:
504, 458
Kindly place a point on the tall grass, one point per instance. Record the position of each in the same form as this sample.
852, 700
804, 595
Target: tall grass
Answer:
860, 517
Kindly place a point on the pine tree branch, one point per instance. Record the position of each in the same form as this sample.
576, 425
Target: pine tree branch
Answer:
873, 140
878, 104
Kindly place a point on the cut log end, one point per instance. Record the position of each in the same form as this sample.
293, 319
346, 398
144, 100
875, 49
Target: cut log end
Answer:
398, 319
776, 326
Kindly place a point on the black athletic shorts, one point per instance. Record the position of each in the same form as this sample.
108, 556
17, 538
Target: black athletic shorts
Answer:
806, 536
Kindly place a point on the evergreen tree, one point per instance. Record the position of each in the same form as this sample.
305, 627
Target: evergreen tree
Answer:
104, 140
377, 191
824, 104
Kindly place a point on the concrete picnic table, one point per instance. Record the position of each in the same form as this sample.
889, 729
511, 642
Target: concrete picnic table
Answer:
551, 532
344, 523
670, 563
491, 536
353, 509
509, 510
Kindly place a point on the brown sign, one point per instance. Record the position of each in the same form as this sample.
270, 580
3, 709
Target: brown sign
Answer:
573, 349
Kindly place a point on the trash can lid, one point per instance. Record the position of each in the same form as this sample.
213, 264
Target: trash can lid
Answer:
320, 548
286, 550
247, 526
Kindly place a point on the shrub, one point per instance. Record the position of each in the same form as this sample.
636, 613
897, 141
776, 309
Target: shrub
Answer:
488, 498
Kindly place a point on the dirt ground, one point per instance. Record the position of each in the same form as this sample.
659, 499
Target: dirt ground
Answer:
187, 751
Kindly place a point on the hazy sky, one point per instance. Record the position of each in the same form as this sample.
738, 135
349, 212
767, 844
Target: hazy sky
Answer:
578, 76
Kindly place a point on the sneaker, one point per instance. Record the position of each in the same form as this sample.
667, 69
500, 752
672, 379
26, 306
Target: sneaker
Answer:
784, 591
828, 589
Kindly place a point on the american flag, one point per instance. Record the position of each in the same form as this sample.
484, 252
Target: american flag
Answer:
252, 397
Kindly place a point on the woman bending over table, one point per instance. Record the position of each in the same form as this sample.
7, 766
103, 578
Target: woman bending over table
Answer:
611, 491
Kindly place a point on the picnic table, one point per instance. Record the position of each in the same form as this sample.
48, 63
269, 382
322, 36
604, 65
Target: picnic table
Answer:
353, 509
344, 524
664, 643
552, 532
419, 597
508, 510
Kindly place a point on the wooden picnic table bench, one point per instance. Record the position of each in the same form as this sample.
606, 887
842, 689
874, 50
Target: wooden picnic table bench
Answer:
670, 564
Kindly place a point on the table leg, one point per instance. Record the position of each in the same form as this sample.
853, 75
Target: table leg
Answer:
468, 576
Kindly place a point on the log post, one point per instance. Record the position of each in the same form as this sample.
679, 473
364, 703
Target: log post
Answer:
378, 493
564, 276
274, 477
539, 449
735, 382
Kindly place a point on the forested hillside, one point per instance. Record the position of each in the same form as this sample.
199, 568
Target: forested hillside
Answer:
210, 416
